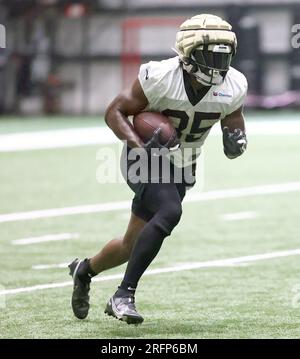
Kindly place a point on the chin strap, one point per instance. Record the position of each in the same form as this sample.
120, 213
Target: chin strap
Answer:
190, 68
208, 83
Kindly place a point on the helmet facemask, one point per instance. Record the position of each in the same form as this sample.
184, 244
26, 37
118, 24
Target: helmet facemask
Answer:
209, 63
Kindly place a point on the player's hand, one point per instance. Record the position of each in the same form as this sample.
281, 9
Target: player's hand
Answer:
235, 143
154, 141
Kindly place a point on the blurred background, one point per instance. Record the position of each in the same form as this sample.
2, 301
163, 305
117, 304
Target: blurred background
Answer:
72, 57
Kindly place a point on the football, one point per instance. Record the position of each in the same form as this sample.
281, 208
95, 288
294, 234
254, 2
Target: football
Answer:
145, 123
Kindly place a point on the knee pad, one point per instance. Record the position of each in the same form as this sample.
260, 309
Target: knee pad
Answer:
168, 217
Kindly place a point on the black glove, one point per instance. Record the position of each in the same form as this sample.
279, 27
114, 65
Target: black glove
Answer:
235, 143
154, 143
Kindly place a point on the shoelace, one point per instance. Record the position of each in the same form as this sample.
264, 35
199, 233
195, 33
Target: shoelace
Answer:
130, 302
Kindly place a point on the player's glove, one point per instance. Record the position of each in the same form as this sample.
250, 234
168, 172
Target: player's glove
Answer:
154, 141
154, 145
235, 143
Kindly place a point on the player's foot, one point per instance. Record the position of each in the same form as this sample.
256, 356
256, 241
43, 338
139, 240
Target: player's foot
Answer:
123, 308
80, 296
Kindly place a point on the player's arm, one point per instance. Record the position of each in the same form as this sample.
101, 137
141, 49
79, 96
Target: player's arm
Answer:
130, 102
234, 134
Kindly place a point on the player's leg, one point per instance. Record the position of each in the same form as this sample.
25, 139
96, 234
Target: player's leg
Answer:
114, 253
117, 251
165, 202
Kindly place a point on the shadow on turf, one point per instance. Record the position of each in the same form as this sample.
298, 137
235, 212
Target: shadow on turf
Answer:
158, 329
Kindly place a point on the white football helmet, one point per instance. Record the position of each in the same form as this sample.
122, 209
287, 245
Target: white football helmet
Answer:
206, 45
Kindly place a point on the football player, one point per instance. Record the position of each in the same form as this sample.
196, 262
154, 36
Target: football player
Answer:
195, 89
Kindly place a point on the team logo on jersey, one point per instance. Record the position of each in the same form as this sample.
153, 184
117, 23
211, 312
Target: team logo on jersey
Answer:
221, 94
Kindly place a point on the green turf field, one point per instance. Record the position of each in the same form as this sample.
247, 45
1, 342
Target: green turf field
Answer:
252, 299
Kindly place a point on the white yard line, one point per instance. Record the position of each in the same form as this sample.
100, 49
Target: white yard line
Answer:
179, 268
51, 266
238, 216
74, 137
65, 265
46, 238
116, 206
67, 211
